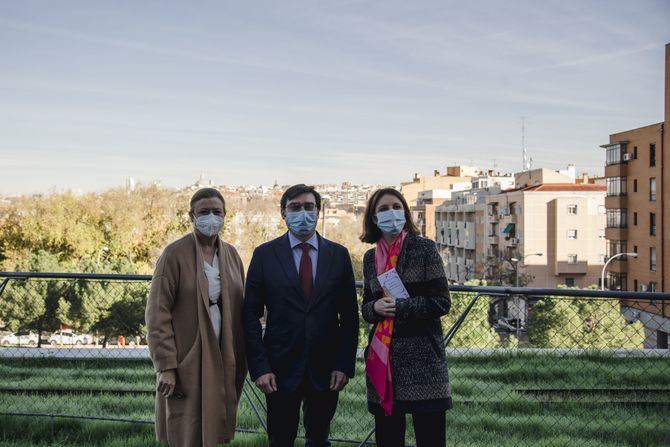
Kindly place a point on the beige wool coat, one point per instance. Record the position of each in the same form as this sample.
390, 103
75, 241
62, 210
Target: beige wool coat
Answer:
210, 375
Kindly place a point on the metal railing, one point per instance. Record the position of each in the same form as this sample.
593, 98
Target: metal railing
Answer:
526, 365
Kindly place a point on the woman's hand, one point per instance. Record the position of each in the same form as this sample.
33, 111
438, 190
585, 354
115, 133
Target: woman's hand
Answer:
167, 381
385, 306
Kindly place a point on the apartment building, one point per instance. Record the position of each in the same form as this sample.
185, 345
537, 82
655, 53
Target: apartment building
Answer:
636, 170
460, 231
455, 174
460, 226
548, 228
423, 211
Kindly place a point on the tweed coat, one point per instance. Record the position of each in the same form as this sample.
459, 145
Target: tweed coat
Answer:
210, 373
419, 367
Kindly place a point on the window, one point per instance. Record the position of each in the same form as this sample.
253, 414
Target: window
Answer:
652, 189
572, 259
652, 224
570, 282
635, 284
634, 185
616, 218
614, 152
652, 259
572, 209
635, 152
602, 258
601, 233
617, 281
616, 247
634, 218
572, 234
508, 231
652, 287
652, 155
661, 340
634, 248
616, 186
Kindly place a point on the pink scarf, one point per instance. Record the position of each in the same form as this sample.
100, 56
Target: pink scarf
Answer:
378, 363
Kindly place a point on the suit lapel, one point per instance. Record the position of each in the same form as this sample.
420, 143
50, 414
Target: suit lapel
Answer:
324, 261
284, 254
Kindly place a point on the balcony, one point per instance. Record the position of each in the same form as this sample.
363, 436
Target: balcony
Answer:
616, 170
617, 234
513, 241
620, 201
571, 268
493, 239
618, 266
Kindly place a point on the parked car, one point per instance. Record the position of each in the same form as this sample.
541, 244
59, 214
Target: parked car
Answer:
66, 337
20, 339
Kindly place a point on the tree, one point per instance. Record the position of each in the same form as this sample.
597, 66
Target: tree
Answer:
34, 303
498, 271
125, 316
476, 330
568, 322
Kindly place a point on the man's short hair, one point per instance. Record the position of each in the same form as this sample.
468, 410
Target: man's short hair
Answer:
295, 190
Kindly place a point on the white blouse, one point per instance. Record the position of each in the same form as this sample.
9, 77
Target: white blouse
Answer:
214, 280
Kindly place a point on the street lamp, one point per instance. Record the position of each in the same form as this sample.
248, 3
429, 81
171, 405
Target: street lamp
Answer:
602, 275
516, 264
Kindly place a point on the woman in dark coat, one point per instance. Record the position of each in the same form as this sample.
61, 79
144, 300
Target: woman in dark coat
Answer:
406, 368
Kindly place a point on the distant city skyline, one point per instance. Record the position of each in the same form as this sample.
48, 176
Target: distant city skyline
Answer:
317, 92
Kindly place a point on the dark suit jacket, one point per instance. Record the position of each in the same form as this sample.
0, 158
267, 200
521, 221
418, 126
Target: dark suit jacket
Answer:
314, 336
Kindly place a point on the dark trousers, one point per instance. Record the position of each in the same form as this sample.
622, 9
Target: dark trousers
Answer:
283, 415
429, 429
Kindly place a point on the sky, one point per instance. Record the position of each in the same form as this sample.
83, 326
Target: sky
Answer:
93, 92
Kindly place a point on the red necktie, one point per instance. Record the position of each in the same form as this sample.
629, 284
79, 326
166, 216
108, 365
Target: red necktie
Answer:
306, 270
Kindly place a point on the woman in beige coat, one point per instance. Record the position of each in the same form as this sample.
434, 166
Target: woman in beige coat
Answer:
195, 337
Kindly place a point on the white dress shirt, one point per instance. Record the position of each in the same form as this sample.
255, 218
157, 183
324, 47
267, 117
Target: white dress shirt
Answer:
214, 281
297, 251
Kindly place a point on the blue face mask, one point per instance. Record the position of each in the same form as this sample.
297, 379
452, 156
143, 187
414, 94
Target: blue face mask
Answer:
391, 222
301, 222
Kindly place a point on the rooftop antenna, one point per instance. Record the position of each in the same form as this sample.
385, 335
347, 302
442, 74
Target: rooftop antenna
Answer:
526, 165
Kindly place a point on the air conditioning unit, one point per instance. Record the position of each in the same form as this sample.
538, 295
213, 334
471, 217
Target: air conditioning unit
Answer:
627, 156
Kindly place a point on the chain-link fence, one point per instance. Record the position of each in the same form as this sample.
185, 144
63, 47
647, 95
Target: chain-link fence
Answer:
527, 366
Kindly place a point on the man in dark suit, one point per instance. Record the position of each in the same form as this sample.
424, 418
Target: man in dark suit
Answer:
307, 354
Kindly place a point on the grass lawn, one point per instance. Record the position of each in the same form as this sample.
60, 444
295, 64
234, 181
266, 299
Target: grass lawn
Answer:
501, 400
